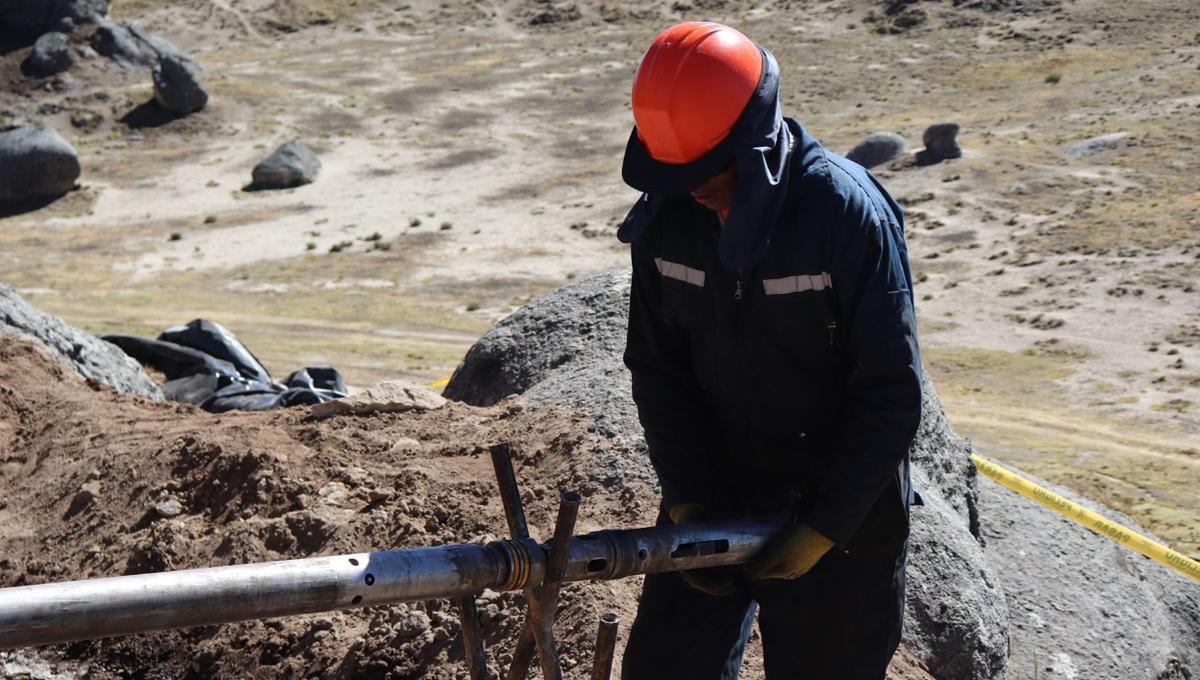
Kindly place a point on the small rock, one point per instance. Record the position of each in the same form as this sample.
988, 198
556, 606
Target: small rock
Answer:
35, 163
176, 86
878, 148
410, 623
1093, 145
291, 165
168, 508
51, 54
311, 531
387, 397
87, 494
379, 495
940, 144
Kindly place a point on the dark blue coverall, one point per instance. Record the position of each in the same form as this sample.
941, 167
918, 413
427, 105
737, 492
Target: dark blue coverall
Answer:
790, 386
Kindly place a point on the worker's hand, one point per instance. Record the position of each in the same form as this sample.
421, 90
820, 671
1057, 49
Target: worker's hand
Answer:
717, 581
790, 554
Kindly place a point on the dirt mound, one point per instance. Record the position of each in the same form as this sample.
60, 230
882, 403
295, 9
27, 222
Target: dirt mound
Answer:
98, 484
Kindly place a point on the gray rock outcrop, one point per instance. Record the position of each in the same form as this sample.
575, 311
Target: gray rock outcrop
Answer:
565, 349
291, 165
90, 356
1097, 144
1081, 605
878, 148
177, 86
51, 54
35, 163
37, 16
941, 143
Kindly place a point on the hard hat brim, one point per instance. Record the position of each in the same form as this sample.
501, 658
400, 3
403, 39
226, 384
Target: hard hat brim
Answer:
642, 172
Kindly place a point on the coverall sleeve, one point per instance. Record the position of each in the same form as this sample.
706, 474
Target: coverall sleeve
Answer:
882, 407
667, 395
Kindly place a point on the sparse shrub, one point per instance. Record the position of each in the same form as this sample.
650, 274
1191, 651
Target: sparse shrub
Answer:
176, 236
1054, 78
414, 222
909, 18
381, 245
311, 245
446, 226
210, 219
375, 236
340, 246
472, 306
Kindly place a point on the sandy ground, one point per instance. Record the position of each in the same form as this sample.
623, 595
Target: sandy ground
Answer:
85, 473
471, 161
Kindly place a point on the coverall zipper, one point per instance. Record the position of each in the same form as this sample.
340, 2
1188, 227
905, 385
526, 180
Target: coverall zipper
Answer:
743, 354
832, 325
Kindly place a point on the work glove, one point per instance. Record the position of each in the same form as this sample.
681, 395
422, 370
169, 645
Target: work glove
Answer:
790, 554
716, 581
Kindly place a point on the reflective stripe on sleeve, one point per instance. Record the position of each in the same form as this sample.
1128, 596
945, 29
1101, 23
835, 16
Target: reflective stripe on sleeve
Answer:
797, 284
680, 272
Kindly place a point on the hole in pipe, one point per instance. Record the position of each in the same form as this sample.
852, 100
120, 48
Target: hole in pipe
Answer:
370, 579
596, 565
353, 561
642, 553
701, 548
356, 600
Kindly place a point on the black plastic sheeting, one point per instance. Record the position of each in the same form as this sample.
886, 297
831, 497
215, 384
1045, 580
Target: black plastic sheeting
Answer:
208, 366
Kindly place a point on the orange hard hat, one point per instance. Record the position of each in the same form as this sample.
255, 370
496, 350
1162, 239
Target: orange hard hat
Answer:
691, 87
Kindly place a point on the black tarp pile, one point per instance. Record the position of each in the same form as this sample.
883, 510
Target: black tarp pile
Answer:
207, 365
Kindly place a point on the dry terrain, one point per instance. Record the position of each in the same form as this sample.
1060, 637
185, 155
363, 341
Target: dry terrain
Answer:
471, 160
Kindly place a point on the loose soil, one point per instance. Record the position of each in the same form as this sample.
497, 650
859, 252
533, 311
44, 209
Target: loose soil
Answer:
98, 484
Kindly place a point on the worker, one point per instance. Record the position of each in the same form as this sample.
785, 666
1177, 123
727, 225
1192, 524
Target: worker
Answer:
773, 351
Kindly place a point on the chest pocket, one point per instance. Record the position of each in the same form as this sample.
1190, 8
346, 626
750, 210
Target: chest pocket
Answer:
683, 293
800, 308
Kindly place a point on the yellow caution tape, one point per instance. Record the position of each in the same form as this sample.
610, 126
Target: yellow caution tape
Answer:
1092, 520
440, 382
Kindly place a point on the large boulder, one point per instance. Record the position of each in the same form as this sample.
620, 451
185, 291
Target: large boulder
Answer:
90, 356
1081, 605
878, 148
957, 618
51, 54
37, 16
941, 143
291, 165
35, 163
565, 349
132, 47
177, 86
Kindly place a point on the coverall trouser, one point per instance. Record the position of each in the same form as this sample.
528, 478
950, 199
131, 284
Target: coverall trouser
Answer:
841, 621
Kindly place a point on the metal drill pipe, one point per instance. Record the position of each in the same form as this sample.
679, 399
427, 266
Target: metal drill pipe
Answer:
472, 638
123, 605
606, 647
510, 493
